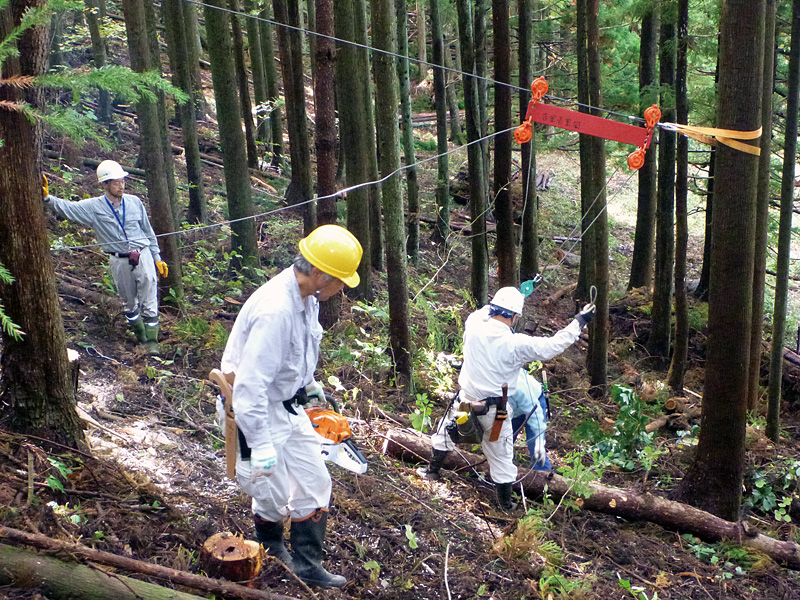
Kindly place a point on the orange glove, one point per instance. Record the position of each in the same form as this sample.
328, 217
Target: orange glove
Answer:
163, 270
45, 186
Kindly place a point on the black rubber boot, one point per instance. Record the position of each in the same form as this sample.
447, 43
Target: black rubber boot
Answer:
504, 496
307, 537
270, 535
433, 470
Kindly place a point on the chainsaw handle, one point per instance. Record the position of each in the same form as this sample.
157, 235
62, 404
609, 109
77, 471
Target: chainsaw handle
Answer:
332, 401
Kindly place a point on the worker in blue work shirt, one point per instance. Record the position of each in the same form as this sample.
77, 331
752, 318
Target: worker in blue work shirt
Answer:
122, 228
529, 405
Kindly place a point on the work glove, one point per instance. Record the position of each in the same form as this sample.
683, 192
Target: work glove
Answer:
586, 315
314, 390
263, 461
162, 267
45, 186
539, 452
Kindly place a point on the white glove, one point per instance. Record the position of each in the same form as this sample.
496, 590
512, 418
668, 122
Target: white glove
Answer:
539, 453
263, 461
315, 390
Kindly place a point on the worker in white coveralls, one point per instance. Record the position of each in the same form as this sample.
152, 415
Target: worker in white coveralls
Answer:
493, 356
529, 406
273, 351
122, 228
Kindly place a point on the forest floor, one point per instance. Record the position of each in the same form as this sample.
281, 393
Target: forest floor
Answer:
153, 485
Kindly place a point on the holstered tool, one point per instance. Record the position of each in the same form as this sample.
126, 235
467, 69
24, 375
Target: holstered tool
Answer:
225, 383
500, 416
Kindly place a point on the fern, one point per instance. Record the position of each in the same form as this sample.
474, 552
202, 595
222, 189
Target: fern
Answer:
11, 328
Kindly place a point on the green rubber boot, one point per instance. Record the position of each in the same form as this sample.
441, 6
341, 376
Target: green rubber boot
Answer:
137, 327
151, 344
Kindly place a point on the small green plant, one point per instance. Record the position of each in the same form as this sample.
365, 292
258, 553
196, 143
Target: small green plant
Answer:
554, 585
636, 591
629, 445
421, 417
11, 328
731, 558
374, 570
411, 537
772, 487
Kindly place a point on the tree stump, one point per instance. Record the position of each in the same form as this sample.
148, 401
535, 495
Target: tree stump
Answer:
231, 556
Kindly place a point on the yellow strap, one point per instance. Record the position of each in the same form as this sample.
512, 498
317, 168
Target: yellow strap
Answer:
710, 135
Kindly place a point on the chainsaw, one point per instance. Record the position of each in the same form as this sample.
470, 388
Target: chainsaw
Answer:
329, 425
334, 433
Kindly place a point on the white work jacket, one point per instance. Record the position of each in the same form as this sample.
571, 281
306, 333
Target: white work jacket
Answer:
494, 354
273, 351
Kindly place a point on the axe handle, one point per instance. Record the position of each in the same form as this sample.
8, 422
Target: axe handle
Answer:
500, 416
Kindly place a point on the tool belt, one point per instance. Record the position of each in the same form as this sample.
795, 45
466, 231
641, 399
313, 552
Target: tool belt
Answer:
464, 428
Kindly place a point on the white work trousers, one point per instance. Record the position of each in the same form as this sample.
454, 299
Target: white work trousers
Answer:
301, 482
499, 454
138, 286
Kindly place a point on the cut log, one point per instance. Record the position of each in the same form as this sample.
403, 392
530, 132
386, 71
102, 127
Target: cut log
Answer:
558, 294
198, 582
60, 580
231, 557
629, 504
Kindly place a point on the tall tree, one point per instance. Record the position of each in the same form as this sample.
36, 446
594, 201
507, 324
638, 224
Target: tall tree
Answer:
368, 126
412, 217
442, 231
597, 361
658, 343
353, 138
37, 395
290, 45
311, 16
714, 480
451, 82
194, 52
231, 137
680, 352
384, 31
152, 147
784, 229
243, 81
644, 240
482, 71
762, 210
93, 21
529, 247
422, 41
273, 89
174, 23
505, 246
257, 68
477, 186
586, 275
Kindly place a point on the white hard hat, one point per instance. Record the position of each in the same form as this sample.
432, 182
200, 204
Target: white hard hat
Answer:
110, 169
509, 298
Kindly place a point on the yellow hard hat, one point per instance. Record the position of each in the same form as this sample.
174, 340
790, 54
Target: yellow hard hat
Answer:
335, 251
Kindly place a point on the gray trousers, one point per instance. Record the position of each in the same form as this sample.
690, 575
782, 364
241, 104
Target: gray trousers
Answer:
138, 287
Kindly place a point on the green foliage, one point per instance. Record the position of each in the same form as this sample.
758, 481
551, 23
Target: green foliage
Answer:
421, 417
11, 328
35, 16
731, 558
374, 570
636, 591
629, 445
698, 316
411, 537
554, 585
122, 82
772, 487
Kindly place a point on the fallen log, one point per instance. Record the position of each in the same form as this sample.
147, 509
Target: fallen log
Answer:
61, 580
198, 582
629, 504
67, 289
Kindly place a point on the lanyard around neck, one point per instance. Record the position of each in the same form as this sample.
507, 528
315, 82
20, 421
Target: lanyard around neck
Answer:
116, 216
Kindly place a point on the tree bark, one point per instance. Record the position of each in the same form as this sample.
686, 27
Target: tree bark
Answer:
290, 45
173, 13
412, 191
257, 68
714, 481
104, 112
481, 69
628, 504
680, 351
36, 395
658, 344
477, 187
422, 41
529, 246
644, 240
456, 131
198, 582
442, 230
152, 147
234, 155
785, 228
353, 138
505, 245
384, 26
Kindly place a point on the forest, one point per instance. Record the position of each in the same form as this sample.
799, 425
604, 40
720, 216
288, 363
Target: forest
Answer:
635, 155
